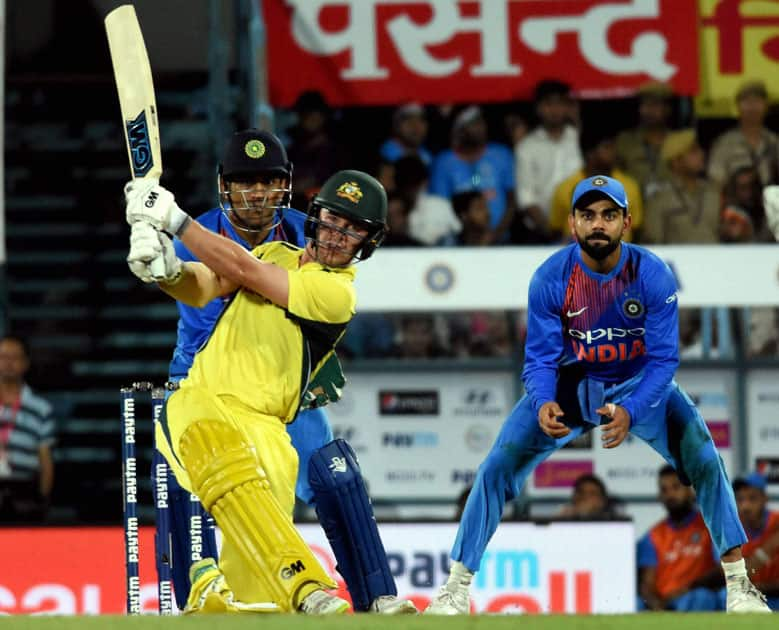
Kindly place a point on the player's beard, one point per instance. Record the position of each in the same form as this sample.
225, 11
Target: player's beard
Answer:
599, 246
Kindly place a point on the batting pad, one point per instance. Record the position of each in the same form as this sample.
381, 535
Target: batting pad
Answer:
228, 477
345, 513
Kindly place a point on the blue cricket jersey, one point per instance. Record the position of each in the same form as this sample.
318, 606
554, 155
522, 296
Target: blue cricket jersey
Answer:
195, 324
616, 326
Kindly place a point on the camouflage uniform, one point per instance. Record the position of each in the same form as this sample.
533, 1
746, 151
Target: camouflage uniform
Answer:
732, 151
674, 214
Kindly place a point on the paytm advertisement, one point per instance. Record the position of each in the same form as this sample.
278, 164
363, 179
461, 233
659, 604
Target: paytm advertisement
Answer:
556, 568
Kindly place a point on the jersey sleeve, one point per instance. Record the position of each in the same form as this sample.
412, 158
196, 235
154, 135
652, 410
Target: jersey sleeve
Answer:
662, 339
320, 295
544, 345
646, 554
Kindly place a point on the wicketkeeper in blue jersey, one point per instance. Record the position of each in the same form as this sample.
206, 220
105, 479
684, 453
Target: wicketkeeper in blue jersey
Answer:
601, 351
255, 187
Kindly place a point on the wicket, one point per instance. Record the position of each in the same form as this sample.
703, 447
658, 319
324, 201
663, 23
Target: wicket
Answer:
160, 473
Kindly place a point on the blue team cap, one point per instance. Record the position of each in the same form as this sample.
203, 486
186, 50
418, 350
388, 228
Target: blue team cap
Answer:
754, 480
603, 184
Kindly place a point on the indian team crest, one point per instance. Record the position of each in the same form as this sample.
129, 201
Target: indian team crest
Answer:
254, 149
632, 308
350, 191
598, 181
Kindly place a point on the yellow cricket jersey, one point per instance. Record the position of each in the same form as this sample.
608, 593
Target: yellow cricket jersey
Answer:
260, 356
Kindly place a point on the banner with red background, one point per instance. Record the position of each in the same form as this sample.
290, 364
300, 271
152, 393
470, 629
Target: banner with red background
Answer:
381, 52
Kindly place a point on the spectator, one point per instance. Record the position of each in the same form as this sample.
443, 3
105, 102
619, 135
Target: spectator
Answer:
750, 143
590, 501
686, 207
490, 335
368, 336
599, 150
431, 219
676, 559
312, 150
544, 158
409, 131
26, 438
397, 220
418, 339
762, 528
474, 215
743, 217
473, 163
638, 149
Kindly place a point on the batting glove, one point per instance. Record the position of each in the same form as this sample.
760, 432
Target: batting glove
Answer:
154, 205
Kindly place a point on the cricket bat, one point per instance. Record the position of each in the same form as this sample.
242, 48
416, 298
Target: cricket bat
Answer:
134, 84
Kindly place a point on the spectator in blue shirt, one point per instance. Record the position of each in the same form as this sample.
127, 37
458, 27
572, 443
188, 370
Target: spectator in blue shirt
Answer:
475, 164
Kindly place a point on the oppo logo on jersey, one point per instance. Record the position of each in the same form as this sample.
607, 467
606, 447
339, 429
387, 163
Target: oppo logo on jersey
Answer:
588, 336
607, 352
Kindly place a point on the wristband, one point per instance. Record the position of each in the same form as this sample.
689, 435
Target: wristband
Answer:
182, 227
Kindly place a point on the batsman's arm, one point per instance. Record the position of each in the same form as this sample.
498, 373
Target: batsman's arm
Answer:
198, 285
228, 260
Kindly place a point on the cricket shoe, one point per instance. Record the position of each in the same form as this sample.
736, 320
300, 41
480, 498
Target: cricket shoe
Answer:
393, 605
323, 603
743, 597
211, 595
452, 599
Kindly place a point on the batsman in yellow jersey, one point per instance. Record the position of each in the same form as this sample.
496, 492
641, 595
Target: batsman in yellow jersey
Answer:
223, 432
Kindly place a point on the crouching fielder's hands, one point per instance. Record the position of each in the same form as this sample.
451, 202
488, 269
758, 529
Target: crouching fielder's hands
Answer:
149, 202
617, 429
152, 257
771, 205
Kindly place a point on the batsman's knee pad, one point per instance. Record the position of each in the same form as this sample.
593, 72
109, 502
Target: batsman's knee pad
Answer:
345, 512
228, 477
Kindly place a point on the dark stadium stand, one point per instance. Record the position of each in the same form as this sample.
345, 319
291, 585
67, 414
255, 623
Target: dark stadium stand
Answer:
92, 327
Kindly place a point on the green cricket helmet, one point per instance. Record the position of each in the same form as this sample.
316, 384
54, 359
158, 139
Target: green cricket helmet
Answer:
358, 197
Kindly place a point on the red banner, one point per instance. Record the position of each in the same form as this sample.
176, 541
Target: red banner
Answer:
68, 571
380, 52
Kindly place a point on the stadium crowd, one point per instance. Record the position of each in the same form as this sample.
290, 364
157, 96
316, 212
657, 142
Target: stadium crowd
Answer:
451, 185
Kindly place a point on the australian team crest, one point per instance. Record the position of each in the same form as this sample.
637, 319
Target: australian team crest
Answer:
350, 191
632, 307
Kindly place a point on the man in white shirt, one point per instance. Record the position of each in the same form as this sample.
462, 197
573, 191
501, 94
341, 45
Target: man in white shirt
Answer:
545, 157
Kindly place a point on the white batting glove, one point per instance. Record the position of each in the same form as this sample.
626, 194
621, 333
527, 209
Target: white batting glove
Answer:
152, 257
138, 187
771, 207
155, 205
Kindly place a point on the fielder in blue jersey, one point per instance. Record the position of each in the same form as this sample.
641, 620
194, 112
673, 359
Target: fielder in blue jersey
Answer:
601, 351
254, 191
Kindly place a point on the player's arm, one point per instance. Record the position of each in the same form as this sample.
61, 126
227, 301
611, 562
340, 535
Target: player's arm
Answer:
197, 285
662, 342
227, 259
232, 263
544, 345
647, 574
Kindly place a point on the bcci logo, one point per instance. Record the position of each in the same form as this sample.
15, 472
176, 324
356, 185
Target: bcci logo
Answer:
598, 181
350, 191
633, 308
140, 146
254, 149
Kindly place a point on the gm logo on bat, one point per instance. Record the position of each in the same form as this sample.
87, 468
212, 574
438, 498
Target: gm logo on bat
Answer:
140, 147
